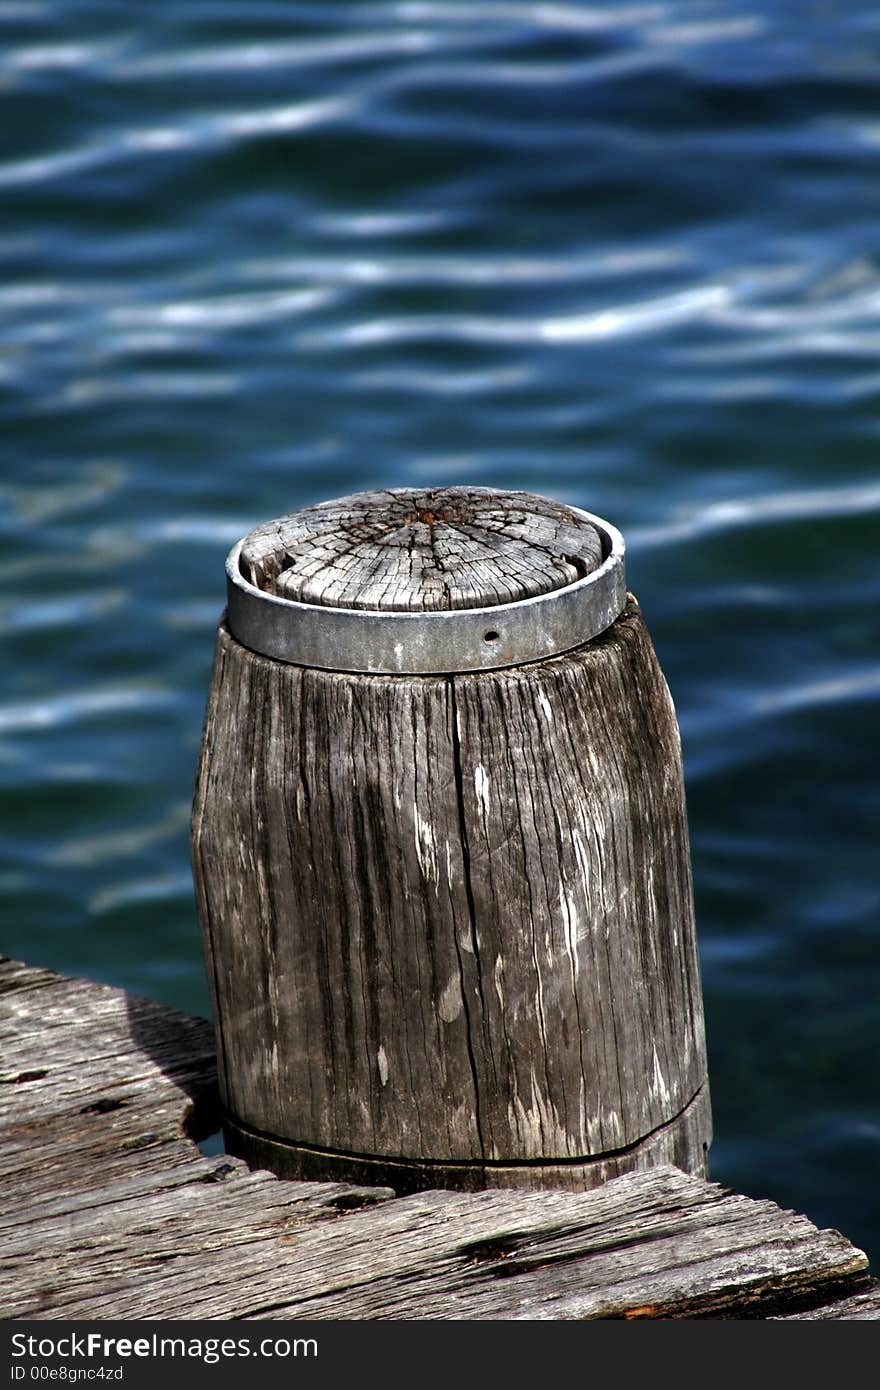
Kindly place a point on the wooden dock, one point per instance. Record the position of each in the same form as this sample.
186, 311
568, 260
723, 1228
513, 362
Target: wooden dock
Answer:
109, 1210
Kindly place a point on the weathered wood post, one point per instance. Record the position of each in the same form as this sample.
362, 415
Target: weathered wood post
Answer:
441, 855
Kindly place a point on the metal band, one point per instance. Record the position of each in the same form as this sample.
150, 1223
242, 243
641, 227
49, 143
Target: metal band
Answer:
438, 642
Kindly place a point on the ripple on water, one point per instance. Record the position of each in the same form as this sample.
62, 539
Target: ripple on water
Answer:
78, 707
260, 255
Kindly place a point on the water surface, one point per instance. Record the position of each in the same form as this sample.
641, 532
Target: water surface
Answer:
628, 255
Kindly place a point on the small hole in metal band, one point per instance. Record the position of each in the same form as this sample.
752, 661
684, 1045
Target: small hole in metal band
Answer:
490, 636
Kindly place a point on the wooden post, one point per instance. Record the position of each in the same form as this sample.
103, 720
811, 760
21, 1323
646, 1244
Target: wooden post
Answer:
441, 855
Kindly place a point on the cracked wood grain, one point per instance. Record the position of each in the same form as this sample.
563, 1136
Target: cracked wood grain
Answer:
408, 549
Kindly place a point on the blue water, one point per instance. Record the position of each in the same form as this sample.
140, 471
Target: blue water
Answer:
261, 254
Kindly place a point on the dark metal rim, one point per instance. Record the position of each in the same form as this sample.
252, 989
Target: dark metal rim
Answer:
434, 643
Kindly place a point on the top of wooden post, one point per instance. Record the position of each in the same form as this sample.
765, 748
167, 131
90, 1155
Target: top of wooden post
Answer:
419, 550
419, 581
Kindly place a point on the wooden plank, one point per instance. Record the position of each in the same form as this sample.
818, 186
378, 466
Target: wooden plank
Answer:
91, 1076
155, 1230
97, 1086
655, 1244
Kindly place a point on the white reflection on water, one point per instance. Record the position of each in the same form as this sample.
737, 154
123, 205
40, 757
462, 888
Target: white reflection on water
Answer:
581, 18
806, 314
798, 505
858, 685
13, 10
48, 57
46, 294
80, 706
714, 734
280, 53
385, 224
197, 617
677, 35
149, 386
196, 132
651, 316
228, 311
39, 503
154, 889
648, 316
467, 270
116, 845
36, 614
275, 120
438, 383
203, 530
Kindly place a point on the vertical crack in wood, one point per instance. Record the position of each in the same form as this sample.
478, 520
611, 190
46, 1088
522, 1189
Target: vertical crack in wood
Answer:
558, 799
444, 577
620, 855
505, 714
472, 913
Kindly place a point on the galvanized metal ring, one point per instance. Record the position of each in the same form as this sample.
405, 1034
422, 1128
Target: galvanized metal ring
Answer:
438, 642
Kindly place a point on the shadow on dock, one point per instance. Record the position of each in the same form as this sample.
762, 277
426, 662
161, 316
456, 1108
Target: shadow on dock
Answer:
182, 1049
